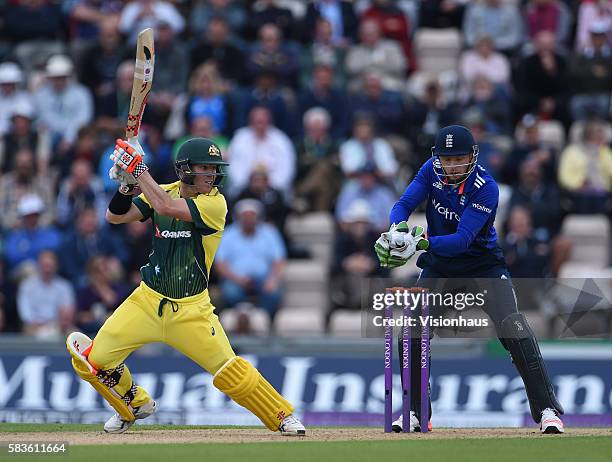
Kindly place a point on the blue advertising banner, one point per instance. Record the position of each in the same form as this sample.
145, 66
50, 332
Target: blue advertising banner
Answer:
325, 391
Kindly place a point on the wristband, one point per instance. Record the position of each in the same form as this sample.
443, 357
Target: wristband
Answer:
120, 204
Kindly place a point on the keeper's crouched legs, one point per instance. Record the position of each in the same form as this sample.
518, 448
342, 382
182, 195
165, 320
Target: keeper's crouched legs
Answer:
113, 382
239, 380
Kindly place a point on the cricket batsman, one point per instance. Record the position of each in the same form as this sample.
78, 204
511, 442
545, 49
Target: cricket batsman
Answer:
461, 242
172, 304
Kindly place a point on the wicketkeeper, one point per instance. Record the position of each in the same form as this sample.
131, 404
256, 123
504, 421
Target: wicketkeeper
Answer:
461, 242
172, 304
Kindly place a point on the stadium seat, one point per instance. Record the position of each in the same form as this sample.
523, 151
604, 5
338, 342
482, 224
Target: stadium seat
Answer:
306, 286
299, 321
437, 50
315, 231
590, 235
345, 323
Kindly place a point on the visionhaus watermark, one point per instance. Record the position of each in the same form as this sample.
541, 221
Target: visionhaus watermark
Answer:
406, 304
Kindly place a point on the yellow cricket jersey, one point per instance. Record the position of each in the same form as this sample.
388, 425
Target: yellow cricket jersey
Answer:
183, 252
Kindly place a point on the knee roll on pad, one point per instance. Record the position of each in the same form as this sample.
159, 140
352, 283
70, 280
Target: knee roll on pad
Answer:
519, 339
105, 382
239, 380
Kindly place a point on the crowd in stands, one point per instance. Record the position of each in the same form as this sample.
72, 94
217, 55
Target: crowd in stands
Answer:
320, 106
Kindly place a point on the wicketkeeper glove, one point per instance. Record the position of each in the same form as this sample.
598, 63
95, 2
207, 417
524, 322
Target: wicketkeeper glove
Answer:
128, 159
395, 237
415, 240
395, 247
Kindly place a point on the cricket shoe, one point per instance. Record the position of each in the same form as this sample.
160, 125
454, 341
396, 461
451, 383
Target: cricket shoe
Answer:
415, 425
550, 422
117, 425
291, 426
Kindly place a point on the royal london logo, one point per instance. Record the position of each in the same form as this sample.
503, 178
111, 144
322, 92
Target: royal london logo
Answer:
171, 234
438, 185
214, 151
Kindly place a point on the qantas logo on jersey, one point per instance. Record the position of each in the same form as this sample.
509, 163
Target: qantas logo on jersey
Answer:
171, 234
444, 211
482, 208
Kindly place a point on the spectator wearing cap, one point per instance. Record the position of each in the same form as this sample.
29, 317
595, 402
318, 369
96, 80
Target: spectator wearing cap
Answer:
321, 92
261, 143
585, 171
45, 301
62, 104
484, 60
591, 74
318, 172
22, 180
549, 15
11, 95
271, 54
338, 13
216, 46
375, 52
529, 146
365, 148
495, 18
366, 187
354, 256
386, 107
251, 259
22, 134
25, 243
140, 14
588, 13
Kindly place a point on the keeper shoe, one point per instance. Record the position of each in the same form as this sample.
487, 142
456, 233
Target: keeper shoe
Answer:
551, 422
415, 425
291, 426
117, 425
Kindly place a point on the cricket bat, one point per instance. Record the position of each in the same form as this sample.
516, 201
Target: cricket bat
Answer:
141, 86
143, 81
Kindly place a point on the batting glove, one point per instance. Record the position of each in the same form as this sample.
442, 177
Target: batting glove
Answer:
127, 158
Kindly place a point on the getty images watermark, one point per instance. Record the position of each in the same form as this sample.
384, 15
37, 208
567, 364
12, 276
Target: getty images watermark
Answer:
414, 299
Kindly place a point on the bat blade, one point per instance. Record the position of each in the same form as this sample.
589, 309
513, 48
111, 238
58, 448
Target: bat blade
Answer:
143, 81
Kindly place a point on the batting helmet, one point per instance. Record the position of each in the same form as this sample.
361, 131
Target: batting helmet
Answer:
199, 151
454, 140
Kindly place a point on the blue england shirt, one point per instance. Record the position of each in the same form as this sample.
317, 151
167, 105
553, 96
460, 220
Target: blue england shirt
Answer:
459, 220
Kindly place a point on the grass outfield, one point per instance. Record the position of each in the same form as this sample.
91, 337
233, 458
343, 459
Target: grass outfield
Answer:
443, 445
